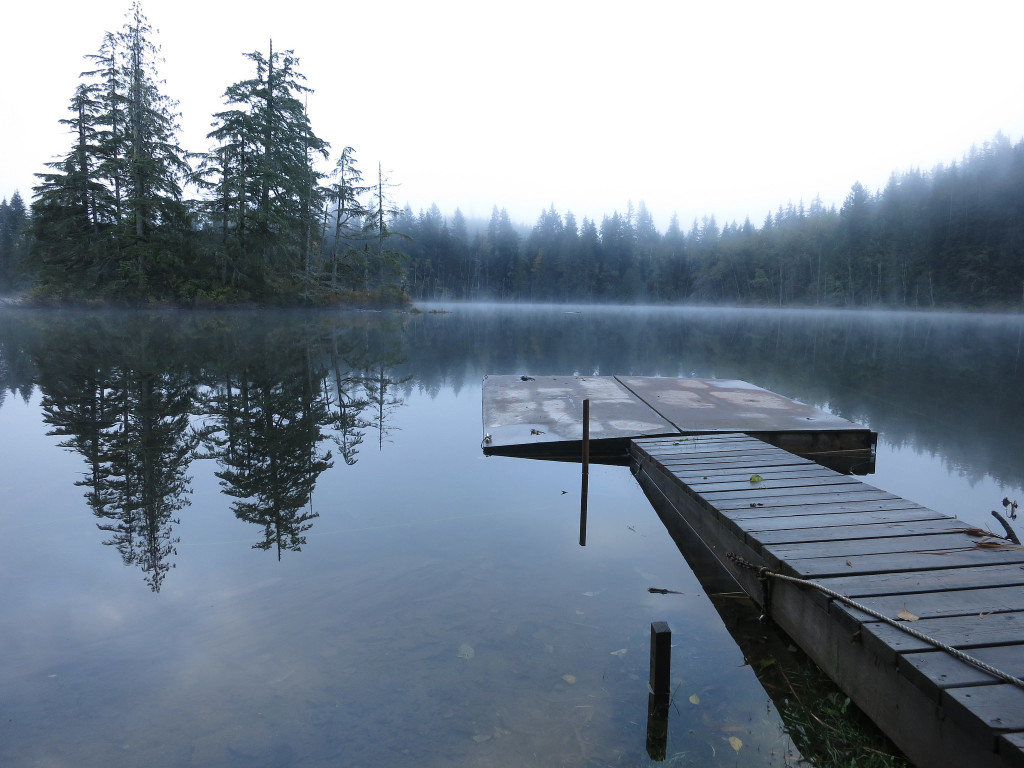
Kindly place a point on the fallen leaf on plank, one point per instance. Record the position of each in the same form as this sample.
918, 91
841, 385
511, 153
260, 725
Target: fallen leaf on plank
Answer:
906, 615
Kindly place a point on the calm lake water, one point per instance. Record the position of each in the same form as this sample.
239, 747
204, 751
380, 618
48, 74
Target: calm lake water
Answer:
270, 539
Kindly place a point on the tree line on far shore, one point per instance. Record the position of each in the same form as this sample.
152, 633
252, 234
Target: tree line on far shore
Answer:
953, 236
110, 220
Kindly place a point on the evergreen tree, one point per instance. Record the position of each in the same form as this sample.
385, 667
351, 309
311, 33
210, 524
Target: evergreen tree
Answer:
464, 266
384, 263
590, 260
503, 252
265, 194
71, 213
14, 240
109, 215
857, 223
155, 165
540, 255
345, 213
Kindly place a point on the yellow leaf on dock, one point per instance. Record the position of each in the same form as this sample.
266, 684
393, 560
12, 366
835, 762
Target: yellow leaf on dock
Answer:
906, 615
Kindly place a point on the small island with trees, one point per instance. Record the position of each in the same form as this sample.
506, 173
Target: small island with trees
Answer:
110, 221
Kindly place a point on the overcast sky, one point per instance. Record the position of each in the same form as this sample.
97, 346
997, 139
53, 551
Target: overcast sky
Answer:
696, 108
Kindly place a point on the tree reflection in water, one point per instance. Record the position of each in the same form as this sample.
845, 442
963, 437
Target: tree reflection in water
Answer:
139, 398
264, 428
129, 418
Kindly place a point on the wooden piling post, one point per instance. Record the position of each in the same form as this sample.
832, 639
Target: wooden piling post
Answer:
586, 473
661, 657
658, 700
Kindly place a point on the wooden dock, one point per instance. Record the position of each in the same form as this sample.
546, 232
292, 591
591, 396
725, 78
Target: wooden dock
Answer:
541, 417
748, 499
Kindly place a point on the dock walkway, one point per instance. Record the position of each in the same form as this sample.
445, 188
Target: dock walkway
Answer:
889, 554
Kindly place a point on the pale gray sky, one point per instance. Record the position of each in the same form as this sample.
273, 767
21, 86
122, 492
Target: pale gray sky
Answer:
697, 108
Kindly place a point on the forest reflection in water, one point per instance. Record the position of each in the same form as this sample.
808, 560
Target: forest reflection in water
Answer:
140, 397
197, 437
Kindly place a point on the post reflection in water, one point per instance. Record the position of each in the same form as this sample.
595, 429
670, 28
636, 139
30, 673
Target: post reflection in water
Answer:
289, 596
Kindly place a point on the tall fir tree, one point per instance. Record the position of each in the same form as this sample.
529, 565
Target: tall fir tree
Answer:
109, 215
344, 213
265, 193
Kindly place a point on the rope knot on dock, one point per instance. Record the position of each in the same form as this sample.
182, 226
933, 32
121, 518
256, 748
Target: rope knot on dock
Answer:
764, 576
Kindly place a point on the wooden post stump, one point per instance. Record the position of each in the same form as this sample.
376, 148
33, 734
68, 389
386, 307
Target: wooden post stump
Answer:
660, 682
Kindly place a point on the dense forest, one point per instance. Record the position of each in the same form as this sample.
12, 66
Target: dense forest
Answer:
953, 236
111, 220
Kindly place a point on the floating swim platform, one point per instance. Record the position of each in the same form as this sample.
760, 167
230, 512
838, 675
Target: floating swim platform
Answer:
541, 417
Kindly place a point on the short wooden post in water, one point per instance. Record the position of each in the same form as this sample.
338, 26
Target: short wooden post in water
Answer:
586, 473
658, 700
661, 657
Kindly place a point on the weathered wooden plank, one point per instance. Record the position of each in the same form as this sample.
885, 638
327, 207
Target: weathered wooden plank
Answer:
695, 438
843, 547
807, 499
760, 491
964, 632
775, 471
750, 451
697, 446
701, 480
801, 468
840, 513
936, 670
987, 710
648, 442
696, 442
822, 567
819, 532
937, 580
705, 445
754, 460
977, 603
